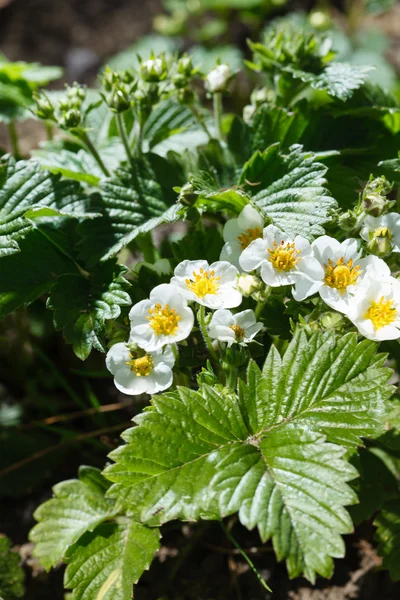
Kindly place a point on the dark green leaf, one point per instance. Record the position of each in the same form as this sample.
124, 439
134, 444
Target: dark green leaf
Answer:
82, 305
11, 573
388, 537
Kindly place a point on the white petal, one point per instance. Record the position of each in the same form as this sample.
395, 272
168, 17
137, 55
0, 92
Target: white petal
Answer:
222, 333
250, 218
231, 230
304, 288
231, 252
350, 249
335, 299
310, 267
117, 356
222, 317
326, 247
275, 278
225, 271
163, 377
245, 319
374, 266
252, 256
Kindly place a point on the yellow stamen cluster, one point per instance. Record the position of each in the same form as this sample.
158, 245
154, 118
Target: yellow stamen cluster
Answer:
163, 319
284, 257
341, 274
247, 237
238, 331
203, 283
142, 366
381, 313
383, 232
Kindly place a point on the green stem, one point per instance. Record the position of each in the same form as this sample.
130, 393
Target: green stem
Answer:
231, 378
12, 131
49, 131
123, 135
200, 119
245, 556
261, 303
201, 315
88, 143
217, 101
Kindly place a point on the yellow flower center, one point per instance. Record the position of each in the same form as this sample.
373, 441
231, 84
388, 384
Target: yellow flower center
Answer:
381, 313
238, 331
205, 282
142, 366
383, 232
284, 257
163, 319
341, 274
249, 236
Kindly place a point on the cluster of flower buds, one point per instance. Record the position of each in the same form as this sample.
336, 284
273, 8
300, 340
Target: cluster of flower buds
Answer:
118, 89
374, 196
67, 113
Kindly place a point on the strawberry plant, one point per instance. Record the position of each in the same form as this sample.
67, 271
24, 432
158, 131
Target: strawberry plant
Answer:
267, 334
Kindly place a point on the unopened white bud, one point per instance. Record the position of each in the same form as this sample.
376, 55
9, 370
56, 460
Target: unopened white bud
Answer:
248, 284
218, 79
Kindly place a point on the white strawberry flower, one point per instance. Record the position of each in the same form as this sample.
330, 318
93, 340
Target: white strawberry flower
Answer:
282, 260
386, 226
343, 271
375, 308
164, 318
218, 79
213, 285
232, 328
240, 232
138, 372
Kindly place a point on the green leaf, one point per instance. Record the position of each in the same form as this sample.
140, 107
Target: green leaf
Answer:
27, 188
105, 564
338, 79
273, 124
290, 189
28, 274
82, 305
388, 537
264, 453
11, 574
131, 204
78, 506
167, 119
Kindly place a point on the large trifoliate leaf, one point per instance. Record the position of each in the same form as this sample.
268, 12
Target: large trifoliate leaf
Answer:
78, 506
290, 189
11, 573
82, 305
105, 564
132, 203
266, 454
26, 193
388, 536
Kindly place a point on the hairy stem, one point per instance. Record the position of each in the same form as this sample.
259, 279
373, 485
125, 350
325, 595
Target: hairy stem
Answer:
201, 315
123, 135
217, 101
245, 556
231, 378
88, 143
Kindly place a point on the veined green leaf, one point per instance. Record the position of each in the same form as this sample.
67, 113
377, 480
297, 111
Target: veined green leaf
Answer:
131, 204
25, 188
105, 564
78, 506
290, 189
388, 537
82, 305
264, 453
167, 119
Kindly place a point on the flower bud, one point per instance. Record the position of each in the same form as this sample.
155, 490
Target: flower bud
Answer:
331, 320
186, 96
118, 100
235, 356
153, 70
248, 284
70, 119
381, 242
217, 80
187, 195
374, 201
248, 112
185, 66
347, 220
44, 108
320, 19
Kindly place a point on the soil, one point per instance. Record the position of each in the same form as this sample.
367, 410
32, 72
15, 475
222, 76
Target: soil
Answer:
195, 562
